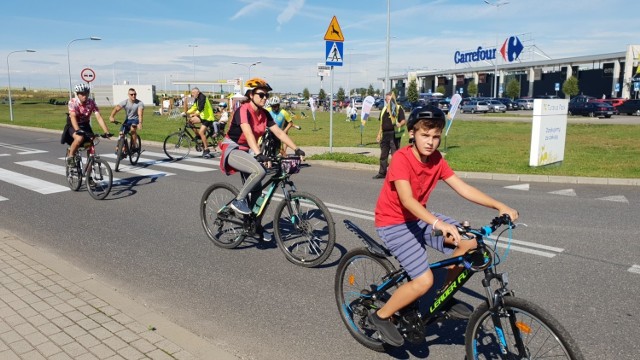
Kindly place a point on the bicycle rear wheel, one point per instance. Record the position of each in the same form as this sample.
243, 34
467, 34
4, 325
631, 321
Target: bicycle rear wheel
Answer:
304, 229
135, 150
219, 221
528, 332
74, 174
99, 179
120, 152
177, 145
358, 275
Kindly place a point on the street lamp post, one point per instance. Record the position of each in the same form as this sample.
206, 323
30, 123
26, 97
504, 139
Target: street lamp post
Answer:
69, 59
386, 70
9, 77
193, 57
495, 71
248, 66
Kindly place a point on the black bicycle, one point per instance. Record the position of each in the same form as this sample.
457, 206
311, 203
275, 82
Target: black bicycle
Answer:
503, 326
125, 147
97, 171
303, 226
177, 145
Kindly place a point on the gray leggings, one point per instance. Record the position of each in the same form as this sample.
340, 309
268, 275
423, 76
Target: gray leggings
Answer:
252, 171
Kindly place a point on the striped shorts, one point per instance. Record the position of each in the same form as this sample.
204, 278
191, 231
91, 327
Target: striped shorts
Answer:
407, 243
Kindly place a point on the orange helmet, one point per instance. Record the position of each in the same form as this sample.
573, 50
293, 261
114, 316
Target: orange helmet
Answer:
257, 83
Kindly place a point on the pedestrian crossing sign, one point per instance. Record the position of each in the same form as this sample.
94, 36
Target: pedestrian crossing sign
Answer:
334, 54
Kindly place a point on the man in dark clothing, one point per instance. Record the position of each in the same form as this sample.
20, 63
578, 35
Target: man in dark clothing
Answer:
393, 119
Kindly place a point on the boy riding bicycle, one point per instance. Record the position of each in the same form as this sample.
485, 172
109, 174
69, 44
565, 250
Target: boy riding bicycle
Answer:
405, 224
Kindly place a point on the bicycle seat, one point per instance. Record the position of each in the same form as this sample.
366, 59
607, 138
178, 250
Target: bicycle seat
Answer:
371, 244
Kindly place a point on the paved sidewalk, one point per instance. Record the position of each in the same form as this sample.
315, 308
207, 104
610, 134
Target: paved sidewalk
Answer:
52, 310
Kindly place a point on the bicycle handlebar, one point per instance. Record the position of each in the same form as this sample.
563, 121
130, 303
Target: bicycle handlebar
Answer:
485, 230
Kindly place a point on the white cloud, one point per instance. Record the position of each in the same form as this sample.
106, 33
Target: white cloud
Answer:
292, 8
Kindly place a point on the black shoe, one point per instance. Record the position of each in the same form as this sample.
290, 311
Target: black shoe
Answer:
380, 176
387, 329
207, 154
457, 309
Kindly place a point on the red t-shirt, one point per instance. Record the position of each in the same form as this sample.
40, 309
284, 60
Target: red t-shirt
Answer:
423, 178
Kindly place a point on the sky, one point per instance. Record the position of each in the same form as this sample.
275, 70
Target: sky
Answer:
158, 42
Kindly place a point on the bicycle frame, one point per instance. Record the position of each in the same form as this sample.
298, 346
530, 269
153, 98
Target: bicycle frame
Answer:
278, 178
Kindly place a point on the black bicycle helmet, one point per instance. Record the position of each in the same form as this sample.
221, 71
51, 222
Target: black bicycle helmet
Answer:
424, 112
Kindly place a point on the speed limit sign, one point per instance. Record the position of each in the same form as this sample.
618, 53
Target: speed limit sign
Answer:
87, 75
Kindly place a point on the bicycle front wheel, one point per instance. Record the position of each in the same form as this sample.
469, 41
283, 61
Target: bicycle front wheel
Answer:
304, 229
99, 179
518, 329
219, 221
119, 152
177, 145
359, 274
135, 150
74, 175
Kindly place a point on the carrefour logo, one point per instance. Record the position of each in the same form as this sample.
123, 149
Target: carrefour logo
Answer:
510, 50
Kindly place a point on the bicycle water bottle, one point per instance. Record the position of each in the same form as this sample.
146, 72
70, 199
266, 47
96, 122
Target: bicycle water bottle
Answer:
258, 204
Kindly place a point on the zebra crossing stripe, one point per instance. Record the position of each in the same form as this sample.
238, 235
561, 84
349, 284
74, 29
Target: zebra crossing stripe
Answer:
52, 168
23, 150
140, 171
30, 183
2, 198
190, 158
167, 163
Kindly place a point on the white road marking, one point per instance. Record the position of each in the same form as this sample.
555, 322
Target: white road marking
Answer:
523, 187
634, 269
168, 163
566, 192
615, 198
30, 183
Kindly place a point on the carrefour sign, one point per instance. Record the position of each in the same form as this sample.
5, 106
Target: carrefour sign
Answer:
510, 50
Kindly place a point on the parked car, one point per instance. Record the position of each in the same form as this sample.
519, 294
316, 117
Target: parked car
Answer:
581, 98
591, 109
496, 106
510, 104
475, 106
614, 102
629, 107
525, 104
379, 103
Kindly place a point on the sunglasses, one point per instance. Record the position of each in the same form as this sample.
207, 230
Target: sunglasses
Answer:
134, 94
262, 95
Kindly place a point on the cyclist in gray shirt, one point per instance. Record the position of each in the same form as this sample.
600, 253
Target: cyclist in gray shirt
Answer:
135, 111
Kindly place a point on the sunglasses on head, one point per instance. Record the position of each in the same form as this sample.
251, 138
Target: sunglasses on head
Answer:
262, 95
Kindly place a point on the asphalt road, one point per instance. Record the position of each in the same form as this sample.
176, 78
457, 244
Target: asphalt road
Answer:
578, 256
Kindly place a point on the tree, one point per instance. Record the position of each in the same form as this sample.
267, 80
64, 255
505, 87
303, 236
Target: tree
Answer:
305, 93
412, 92
570, 86
472, 89
322, 95
340, 94
513, 88
441, 89
370, 90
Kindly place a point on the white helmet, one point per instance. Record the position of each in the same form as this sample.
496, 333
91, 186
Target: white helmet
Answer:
82, 88
274, 100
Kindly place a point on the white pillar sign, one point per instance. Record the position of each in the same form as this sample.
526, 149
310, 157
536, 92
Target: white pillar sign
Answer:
549, 131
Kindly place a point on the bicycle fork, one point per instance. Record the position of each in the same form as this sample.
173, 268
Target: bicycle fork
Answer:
498, 312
